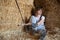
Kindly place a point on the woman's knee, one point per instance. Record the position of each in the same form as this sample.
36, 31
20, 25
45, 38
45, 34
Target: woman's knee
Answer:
43, 32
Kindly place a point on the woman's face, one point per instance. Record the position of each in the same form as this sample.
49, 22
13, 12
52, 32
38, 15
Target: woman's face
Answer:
39, 12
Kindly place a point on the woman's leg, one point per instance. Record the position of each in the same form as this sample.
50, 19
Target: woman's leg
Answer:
43, 34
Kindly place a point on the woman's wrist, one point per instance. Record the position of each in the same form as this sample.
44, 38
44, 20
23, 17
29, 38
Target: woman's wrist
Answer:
28, 24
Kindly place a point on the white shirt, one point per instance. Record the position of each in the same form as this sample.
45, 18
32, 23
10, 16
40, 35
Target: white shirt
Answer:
35, 19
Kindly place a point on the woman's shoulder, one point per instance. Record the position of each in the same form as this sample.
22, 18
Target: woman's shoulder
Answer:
43, 16
33, 16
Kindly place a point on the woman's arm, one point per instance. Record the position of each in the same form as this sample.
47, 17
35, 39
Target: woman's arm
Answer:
29, 23
32, 21
41, 21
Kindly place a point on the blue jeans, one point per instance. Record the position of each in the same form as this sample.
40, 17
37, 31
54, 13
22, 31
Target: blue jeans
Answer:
41, 29
43, 34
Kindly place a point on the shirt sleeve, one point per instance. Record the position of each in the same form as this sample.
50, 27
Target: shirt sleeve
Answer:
43, 18
33, 21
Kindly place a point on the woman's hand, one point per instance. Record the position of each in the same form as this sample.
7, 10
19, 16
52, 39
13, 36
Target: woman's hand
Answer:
28, 24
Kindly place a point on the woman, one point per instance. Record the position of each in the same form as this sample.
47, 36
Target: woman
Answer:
37, 22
